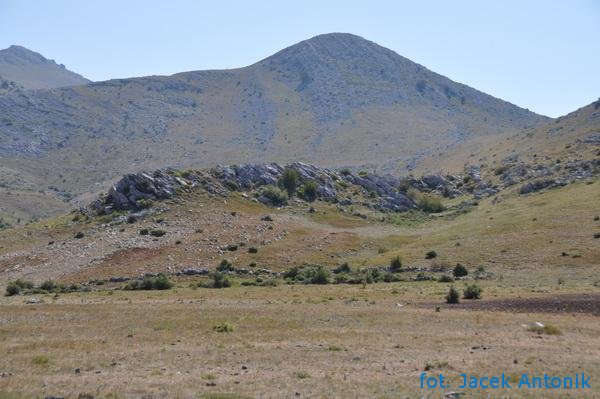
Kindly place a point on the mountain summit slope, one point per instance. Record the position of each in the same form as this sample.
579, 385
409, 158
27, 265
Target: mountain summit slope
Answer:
30, 70
333, 100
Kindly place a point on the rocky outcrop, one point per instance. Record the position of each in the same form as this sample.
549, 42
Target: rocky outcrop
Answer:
137, 191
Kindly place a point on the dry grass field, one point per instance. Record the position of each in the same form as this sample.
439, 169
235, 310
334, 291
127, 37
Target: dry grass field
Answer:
287, 341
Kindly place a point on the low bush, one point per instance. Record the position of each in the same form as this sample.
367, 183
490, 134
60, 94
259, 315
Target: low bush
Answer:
275, 195
224, 328
445, 279
431, 255
430, 203
159, 282
472, 291
17, 286
547, 329
307, 275
157, 233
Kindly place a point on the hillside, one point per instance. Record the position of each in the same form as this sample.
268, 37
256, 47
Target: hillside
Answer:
23, 69
575, 136
333, 100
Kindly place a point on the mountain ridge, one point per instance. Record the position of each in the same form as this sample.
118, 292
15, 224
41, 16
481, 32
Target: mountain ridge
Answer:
333, 100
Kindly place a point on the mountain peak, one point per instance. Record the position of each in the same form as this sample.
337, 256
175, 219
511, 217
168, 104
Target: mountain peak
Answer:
31, 70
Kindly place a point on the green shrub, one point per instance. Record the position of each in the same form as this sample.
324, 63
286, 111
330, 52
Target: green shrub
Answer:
307, 275
453, 296
309, 191
472, 291
15, 287
396, 264
157, 233
275, 195
431, 255
252, 250
289, 181
12, 289
224, 328
218, 280
460, 270
321, 276
48, 285
430, 203
144, 232
159, 282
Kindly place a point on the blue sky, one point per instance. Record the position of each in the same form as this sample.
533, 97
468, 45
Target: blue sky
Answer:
541, 55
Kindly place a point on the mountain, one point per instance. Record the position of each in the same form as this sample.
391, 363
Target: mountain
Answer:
333, 100
24, 69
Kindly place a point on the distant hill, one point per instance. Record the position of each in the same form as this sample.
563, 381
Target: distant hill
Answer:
21, 68
333, 100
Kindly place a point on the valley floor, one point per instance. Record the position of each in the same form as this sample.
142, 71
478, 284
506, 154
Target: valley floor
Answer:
287, 341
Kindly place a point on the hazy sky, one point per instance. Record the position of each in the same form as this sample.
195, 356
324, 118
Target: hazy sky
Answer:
542, 55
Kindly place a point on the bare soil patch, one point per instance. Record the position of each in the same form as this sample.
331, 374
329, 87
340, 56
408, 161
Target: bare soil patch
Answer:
566, 303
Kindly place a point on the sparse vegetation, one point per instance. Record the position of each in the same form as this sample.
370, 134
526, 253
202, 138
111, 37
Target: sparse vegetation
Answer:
431, 255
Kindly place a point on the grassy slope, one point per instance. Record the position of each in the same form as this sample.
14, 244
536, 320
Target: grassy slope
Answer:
513, 236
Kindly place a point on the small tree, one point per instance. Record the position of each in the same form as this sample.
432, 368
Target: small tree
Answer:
396, 264
453, 296
460, 270
289, 181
